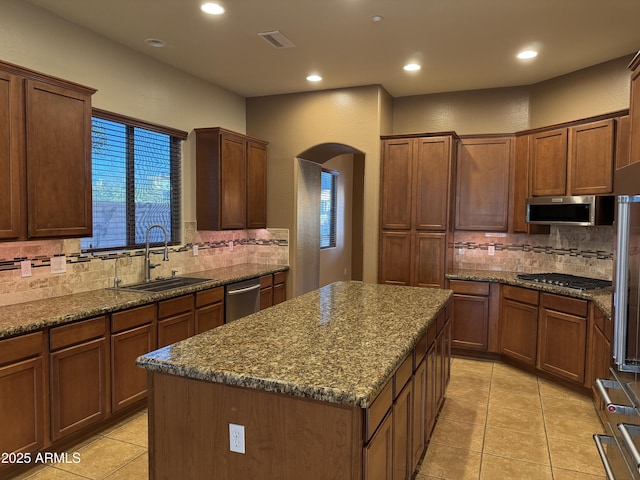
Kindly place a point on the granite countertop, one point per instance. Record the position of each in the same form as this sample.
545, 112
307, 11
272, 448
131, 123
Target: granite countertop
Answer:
340, 344
28, 317
602, 298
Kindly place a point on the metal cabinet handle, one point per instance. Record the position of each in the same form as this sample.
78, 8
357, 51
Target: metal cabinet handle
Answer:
611, 407
243, 290
628, 431
602, 440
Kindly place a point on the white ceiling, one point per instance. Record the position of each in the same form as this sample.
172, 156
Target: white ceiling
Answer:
461, 44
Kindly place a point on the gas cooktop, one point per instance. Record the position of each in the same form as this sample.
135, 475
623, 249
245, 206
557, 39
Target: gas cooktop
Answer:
565, 280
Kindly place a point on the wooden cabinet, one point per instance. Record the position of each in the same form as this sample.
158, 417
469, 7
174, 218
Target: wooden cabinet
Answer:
230, 180
22, 394
279, 287
378, 454
418, 432
79, 375
590, 158
562, 332
520, 189
519, 324
266, 291
209, 312
45, 156
623, 134
599, 348
471, 329
176, 320
416, 189
634, 111
133, 333
549, 163
483, 176
403, 432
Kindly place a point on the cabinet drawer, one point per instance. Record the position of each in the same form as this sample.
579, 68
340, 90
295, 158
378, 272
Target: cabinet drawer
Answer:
168, 308
208, 297
468, 287
266, 281
403, 374
17, 348
133, 318
378, 409
67, 335
279, 278
573, 306
523, 295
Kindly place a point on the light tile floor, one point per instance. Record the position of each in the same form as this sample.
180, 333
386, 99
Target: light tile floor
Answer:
497, 423
501, 423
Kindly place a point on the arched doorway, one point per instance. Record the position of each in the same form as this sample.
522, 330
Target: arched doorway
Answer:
315, 268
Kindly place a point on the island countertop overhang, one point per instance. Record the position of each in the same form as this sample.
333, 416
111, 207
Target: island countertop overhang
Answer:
339, 344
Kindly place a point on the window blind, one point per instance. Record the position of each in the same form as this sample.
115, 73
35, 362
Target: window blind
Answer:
328, 208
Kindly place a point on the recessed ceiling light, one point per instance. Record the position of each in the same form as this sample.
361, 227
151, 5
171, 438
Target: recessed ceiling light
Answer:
377, 18
412, 67
155, 42
314, 78
526, 54
212, 8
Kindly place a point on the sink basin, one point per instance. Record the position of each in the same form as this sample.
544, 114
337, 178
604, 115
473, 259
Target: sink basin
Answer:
159, 286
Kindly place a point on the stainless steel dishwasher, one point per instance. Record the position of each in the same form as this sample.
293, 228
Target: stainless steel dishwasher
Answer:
241, 299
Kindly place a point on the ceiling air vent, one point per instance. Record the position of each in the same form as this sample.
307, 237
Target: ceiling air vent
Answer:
277, 39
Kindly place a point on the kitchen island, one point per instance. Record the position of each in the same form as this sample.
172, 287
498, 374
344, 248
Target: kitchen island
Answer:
315, 382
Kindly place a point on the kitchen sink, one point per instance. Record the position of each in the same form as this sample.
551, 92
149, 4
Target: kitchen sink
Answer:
162, 285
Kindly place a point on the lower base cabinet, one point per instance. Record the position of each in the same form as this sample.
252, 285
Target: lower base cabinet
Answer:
378, 454
79, 375
22, 399
519, 320
209, 309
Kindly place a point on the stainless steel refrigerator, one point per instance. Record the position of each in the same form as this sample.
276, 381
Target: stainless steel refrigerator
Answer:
619, 448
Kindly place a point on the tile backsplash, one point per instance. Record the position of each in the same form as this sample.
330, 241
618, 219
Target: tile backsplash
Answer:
85, 272
585, 251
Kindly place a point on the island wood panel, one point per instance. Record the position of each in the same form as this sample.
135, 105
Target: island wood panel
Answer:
286, 437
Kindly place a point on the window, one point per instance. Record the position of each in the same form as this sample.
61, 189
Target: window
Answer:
136, 182
328, 208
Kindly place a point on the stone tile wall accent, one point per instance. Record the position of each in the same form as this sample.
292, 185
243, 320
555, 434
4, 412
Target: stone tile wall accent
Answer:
85, 272
585, 251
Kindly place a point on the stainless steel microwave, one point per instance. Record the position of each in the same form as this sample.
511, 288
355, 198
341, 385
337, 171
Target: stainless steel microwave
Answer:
586, 210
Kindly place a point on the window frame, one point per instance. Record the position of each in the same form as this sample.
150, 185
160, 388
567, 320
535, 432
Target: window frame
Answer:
333, 216
176, 137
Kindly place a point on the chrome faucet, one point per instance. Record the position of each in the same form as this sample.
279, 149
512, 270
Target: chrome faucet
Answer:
147, 261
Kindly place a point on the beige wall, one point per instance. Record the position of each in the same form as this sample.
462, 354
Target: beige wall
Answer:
128, 83
294, 123
593, 91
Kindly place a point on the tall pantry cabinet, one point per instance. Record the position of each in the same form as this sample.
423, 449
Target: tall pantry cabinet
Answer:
416, 184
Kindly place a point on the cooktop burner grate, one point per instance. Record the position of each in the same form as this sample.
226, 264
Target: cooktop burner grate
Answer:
567, 281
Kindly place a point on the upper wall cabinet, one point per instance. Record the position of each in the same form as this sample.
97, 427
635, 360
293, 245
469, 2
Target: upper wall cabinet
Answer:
482, 183
230, 180
577, 160
45, 156
634, 110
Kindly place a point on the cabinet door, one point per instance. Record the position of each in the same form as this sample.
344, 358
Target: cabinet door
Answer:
623, 133
431, 410
22, 406
209, 317
256, 185
482, 184
562, 344
430, 255
419, 413
470, 328
378, 454
599, 358
279, 293
549, 163
519, 331
174, 329
233, 182
78, 387
402, 433
58, 146
590, 160
266, 297
11, 156
395, 258
432, 179
396, 178
634, 113
128, 382
520, 184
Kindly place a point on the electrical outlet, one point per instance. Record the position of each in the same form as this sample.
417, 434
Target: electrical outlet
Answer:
461, 251
491, 250
58, 264
236, 438
25, 268
195, 250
